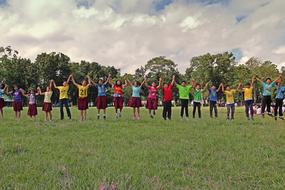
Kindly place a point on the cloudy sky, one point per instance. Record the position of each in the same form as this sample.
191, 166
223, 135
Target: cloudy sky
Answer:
127, 33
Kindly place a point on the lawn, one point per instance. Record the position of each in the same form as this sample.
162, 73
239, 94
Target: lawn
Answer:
148, 154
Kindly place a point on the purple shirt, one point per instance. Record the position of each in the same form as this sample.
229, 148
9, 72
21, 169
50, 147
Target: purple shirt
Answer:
17, 96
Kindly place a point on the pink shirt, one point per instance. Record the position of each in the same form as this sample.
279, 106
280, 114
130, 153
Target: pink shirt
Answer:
152, 92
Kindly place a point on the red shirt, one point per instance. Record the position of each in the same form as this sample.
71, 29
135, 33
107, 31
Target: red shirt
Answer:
167, 93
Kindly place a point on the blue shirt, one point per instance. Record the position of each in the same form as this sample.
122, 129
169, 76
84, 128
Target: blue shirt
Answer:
136, 91
101, 89
280, 92
213, 96
267, 88
1, 93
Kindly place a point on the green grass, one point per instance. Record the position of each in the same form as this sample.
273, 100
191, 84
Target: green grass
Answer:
149, 154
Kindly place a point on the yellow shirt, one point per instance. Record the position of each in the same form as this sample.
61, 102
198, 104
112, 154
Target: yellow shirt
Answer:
82, 91
230, 96
63, 92
47, 98
247, 93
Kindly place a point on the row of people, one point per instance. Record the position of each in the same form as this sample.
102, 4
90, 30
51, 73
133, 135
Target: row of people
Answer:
184, 90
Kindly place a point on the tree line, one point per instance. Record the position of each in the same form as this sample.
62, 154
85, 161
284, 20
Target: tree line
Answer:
216, 68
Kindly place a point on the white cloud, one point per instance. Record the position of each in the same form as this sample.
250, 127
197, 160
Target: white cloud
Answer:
127, 34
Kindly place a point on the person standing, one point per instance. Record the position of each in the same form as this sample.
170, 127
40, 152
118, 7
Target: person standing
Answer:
280, 90
213, 99
167, 99
184, 91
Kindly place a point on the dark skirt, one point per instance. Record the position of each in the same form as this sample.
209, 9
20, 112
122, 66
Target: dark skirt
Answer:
151, 104
135, 102
47, 107
82, 104
18, 106
2, 103
32, 110
101, 102
118, 102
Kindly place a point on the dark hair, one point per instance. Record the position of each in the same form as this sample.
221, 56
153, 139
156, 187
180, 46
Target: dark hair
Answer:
183, 81
268, 79
118, 84
138, 83
197, 84
247, 84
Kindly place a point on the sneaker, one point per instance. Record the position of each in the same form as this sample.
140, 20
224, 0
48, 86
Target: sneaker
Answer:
117, 116
120, 114
282, 118
270, 114
275, 118
104, 117
98, 116
151, 116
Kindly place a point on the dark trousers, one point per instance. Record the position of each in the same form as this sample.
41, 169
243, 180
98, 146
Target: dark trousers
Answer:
248, 108
166, 113
213, 106
184, 107
64, 102
266, 102
278, 107
230, 111
197, 106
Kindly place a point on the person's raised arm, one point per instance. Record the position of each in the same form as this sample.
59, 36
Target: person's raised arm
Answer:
53, 83
278, 78
40, 91
6, 91
193, 83
239, 86
173, 80
223, 87
252, 81
220, 87
73, 81
69, 78
207, 85
129, 83
142, 83
146, 82
89, 81
258, 79
108, 79
159, 83
126, 84
23, 92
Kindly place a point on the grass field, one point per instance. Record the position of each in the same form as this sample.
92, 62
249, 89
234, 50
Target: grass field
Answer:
149, 154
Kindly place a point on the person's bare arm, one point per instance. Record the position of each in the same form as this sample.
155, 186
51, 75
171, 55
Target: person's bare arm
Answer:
108, 79
69, 78
206, 85
142, 83
160, 83
173, 80
89, 81
53, 83
146, 82
220, 86
223, 87
73, 81
252, 82
258, 79
6, 91
278, 78
40, 91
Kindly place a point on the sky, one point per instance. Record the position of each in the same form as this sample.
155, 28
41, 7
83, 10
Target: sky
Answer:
128, 33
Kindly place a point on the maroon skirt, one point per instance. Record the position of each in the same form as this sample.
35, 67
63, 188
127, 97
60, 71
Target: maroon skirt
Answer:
82, 104
47, 107
101, 102
32, 110
151, 104
18, 106
118, 102
2, 103
135, 102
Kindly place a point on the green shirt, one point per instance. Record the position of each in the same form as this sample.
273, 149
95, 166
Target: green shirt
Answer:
184, 91
197, 95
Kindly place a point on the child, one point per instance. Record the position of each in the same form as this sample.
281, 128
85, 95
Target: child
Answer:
197, 102
102, 96
151, 103
135, 101
248, 99
279, 101
47, 106
32, 108
167, 99
118, 97
230, 101
82, 103
267, 93
17, 101
3, 91
213, 99
63, 97
184, 91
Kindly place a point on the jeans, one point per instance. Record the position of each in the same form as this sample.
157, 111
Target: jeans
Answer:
248, 108
166, 113
213, 106
64, 102
184, 107
230, 111
197, 105
266, 102
278, 107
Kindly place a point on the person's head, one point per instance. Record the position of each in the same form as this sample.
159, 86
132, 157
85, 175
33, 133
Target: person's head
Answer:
183, 83
100, 81
213, 87
228, 88
247, 85
153, 84
197, 86
2, 86
268, 80
165, 85
32, 91
64, 83
84, 83
136, 83
15, 87
118, 82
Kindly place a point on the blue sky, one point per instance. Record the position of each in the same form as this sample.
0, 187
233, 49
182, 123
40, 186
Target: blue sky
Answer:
127, 33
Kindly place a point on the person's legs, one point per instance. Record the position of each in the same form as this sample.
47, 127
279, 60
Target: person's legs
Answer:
164, 110
251, 109
276, 108
138, 110
211, 108
233, 111
186, 108
67, 108
169, 110
268, 104
182, 108
228, 111
215, 109
1, 111
81, 115
194, 109
61, 109
280, 108
199, 110
134, 112
263, 105
246, 104
50, 116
